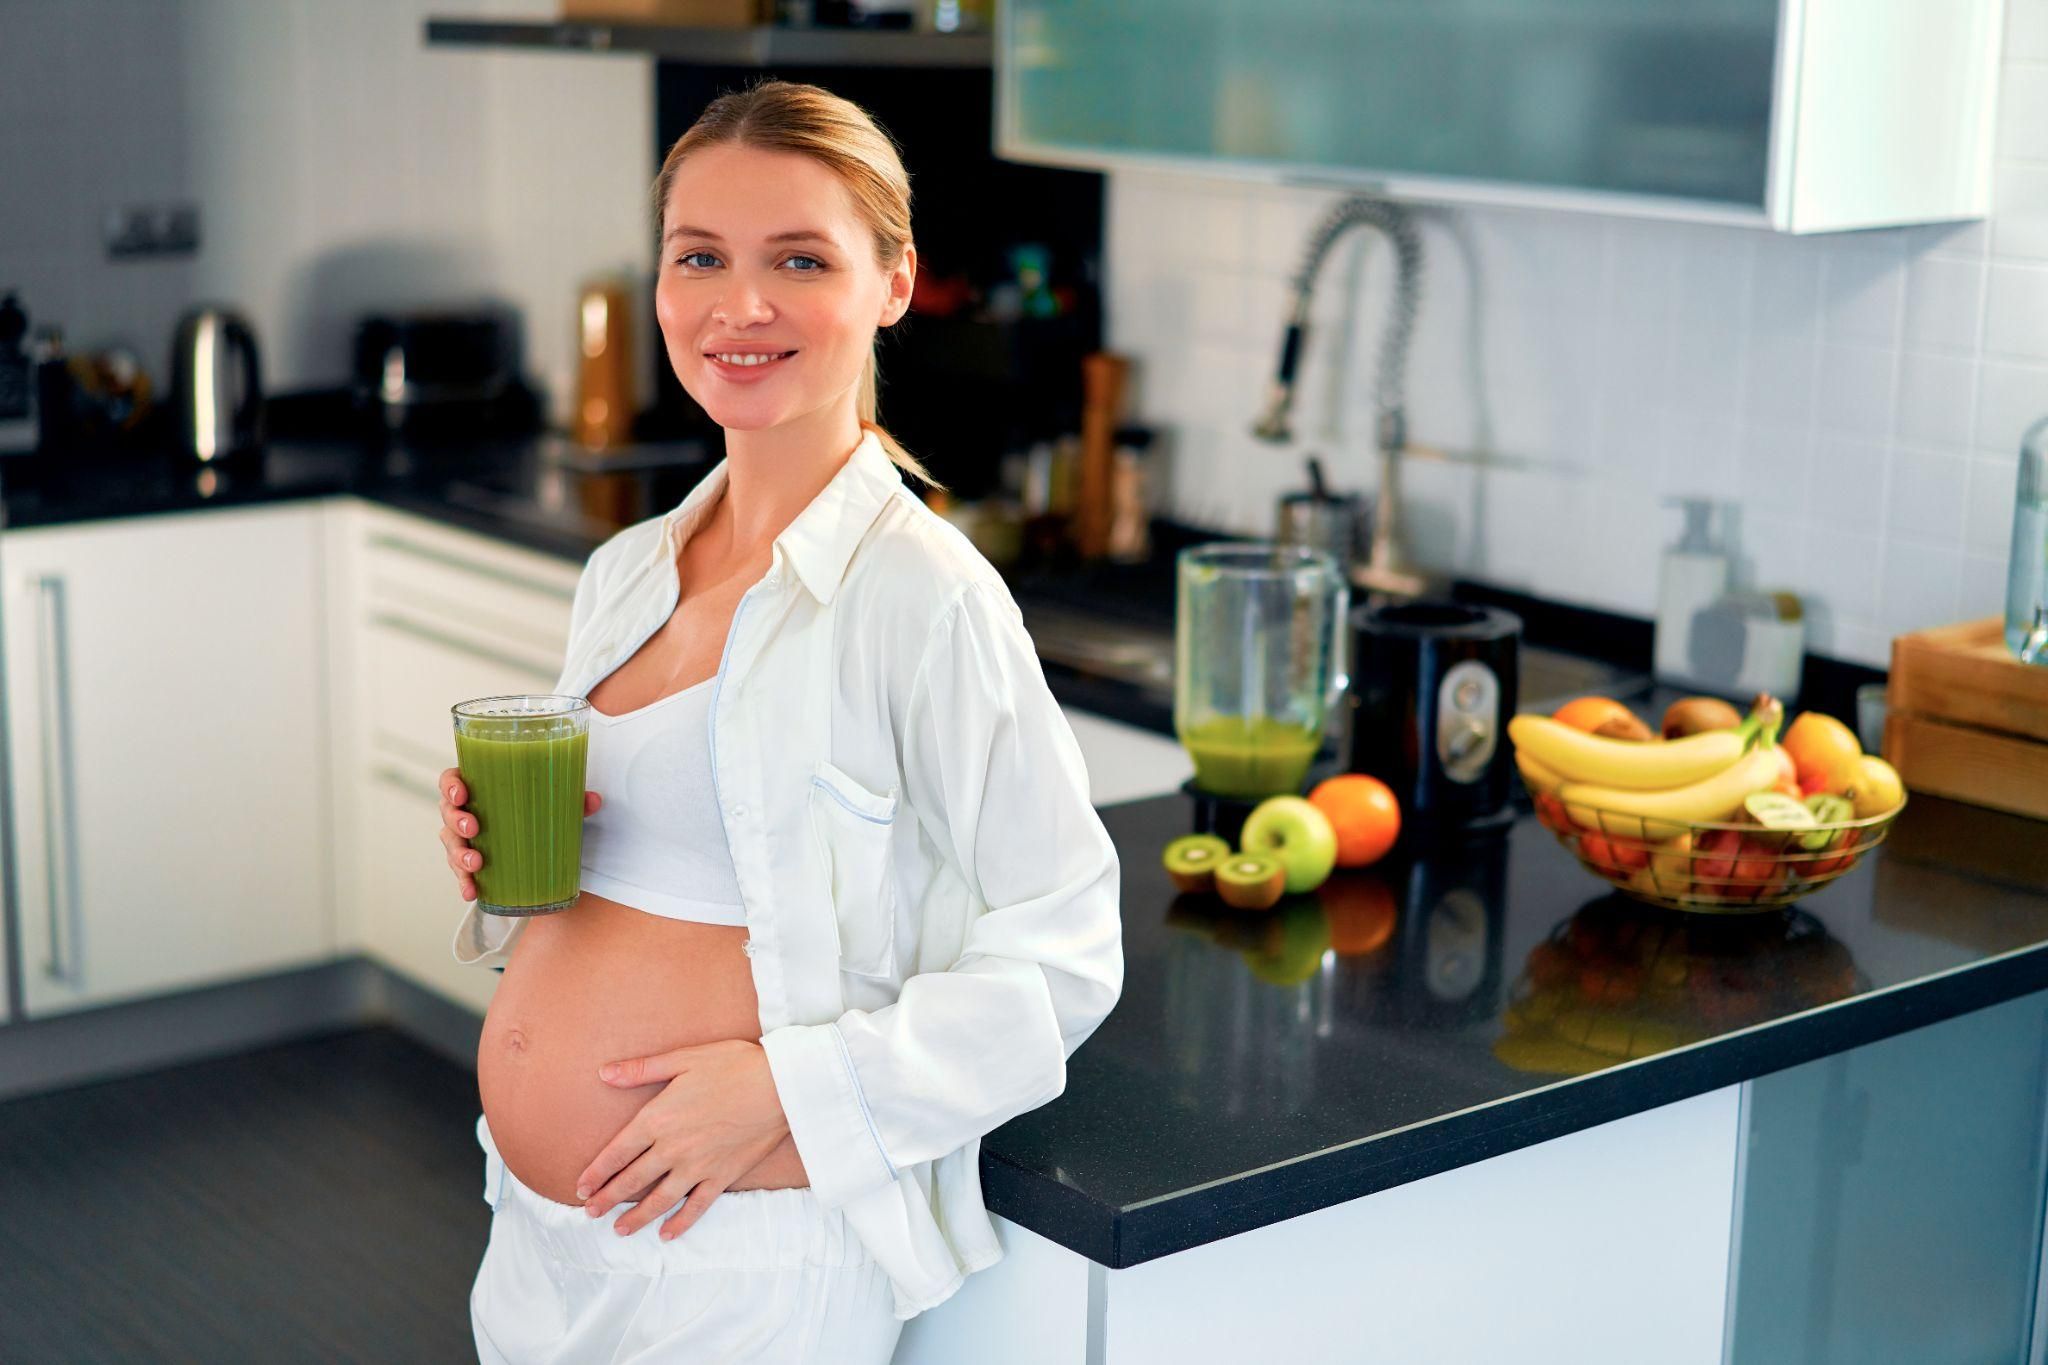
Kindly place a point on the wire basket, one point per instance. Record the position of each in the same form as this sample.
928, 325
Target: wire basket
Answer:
1711, 867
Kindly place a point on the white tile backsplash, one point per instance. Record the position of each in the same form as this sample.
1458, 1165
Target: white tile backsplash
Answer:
2010, 398
339, 163
1858, 396
2019, 202
1936, 398
1944, 303
2016, 312
1988, 504
1926, 495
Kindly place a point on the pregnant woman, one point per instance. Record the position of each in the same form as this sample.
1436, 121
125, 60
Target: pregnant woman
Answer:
845, 906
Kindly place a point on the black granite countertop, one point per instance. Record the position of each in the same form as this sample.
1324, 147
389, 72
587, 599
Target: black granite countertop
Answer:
1404, 1020
1431, 1012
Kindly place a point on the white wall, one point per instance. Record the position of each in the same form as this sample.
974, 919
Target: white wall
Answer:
340, 165
1860, 395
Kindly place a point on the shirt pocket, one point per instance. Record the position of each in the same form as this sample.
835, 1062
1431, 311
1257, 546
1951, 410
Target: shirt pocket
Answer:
855, 829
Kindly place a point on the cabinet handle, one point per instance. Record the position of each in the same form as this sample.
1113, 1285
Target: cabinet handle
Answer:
428, 633
53, 711
407, 783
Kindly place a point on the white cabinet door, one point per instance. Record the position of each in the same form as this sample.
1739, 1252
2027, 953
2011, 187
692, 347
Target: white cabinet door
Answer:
1127, 762
168, 751
435, 616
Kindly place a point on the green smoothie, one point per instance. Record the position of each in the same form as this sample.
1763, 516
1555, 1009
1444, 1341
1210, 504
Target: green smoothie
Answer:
1250, 756
525, 775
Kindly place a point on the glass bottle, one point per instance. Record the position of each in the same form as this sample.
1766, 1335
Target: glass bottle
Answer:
2026, 584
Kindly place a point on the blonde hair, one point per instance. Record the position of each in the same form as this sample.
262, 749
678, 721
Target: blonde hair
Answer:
783, 116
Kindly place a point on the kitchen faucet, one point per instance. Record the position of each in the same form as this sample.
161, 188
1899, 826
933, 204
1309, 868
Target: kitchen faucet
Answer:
1386, 568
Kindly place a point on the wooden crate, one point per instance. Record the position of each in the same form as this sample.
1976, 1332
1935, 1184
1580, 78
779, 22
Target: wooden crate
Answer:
1967, 720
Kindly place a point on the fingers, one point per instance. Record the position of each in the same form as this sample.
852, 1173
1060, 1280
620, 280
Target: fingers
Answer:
591, 801
457, 827
646, 1173
661, 1200
692, 1209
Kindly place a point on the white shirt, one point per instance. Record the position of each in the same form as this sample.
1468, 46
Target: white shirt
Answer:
658, 842
931, 900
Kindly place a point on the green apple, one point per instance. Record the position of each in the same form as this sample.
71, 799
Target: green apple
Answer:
1296, 833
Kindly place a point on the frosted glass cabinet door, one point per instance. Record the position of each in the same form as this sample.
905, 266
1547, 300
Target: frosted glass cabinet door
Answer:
1658, 97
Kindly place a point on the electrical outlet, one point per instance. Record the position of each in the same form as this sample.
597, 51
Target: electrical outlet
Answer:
152, 230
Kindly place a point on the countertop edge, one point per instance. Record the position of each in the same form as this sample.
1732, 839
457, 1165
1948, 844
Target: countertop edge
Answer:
1120, 1238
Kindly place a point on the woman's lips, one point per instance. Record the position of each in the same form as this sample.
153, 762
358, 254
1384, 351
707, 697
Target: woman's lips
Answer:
746, 374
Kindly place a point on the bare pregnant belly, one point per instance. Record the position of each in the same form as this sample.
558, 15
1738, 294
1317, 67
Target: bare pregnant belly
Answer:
595, 983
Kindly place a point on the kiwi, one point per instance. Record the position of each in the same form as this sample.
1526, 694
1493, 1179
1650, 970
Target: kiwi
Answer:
1191, 860
1696, 715
1250, 881
1629, 727
1779, 814
1828, 810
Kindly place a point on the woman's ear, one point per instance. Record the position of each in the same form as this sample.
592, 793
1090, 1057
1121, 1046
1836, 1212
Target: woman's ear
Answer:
900, 280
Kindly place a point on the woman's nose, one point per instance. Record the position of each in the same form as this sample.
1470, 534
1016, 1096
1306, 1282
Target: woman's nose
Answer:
743, 303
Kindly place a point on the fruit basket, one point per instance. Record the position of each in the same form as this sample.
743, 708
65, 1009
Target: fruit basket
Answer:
1716, 867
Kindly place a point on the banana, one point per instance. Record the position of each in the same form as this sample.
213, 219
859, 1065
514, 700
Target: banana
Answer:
1653, 765
1664, 814
1537, 778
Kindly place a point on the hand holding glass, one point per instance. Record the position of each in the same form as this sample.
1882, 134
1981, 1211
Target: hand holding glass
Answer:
512, 808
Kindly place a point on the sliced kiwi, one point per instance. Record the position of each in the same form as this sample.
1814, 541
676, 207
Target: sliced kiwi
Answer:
1828, 809
1250, 881
1780, 814
1191, 860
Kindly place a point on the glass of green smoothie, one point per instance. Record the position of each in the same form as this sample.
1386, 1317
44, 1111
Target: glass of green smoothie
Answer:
522, 759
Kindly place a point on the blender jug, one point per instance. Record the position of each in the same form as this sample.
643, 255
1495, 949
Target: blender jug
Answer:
1260, 660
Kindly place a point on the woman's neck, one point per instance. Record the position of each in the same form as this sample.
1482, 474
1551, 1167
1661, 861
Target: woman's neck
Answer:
773, 474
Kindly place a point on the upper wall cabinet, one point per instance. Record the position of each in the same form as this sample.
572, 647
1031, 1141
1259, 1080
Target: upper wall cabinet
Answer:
1802, 115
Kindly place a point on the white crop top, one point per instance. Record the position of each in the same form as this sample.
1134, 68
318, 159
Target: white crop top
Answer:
657, 843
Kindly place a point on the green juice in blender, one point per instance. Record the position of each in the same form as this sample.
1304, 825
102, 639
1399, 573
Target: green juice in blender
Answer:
525, 781
1250, 756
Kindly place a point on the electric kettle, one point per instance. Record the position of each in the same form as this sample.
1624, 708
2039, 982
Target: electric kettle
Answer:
216, 384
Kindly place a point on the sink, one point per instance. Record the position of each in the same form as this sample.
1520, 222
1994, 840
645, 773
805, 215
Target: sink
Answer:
1551, 677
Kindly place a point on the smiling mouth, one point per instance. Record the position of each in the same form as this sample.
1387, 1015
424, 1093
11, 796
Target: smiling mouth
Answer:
749, 359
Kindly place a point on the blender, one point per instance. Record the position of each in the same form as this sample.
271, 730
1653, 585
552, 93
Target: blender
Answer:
1260, 659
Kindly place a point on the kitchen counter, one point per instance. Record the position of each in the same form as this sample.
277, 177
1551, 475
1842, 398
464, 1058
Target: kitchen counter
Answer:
1406, 1020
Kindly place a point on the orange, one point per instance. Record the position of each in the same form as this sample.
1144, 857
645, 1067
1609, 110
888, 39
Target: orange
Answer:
1363, 811
1825, 751
1590, 713
1361, 911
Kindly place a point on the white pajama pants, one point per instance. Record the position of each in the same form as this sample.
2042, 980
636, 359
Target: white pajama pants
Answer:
763, 1276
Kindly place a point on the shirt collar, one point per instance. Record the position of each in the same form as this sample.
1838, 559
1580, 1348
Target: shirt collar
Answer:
820, 542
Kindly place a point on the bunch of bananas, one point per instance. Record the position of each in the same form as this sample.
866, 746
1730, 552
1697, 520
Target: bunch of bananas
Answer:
1650, 789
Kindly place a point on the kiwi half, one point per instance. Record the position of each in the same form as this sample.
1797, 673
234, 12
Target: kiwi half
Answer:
1191, 860
1250, 881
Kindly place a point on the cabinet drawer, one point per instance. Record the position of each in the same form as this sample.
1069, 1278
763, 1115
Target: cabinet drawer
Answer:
437, 575
415, 670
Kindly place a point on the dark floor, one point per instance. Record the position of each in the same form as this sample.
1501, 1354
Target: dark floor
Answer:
318, 1201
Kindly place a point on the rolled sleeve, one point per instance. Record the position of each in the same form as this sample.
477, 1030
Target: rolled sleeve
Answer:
992, 769
483, 940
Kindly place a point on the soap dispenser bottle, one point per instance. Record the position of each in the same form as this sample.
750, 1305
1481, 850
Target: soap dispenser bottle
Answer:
1693, 577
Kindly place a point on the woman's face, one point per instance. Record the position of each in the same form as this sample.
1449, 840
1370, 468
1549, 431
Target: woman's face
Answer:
764, 258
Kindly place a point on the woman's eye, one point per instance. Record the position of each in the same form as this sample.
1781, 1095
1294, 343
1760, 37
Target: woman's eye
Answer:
812, 259
690, 257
